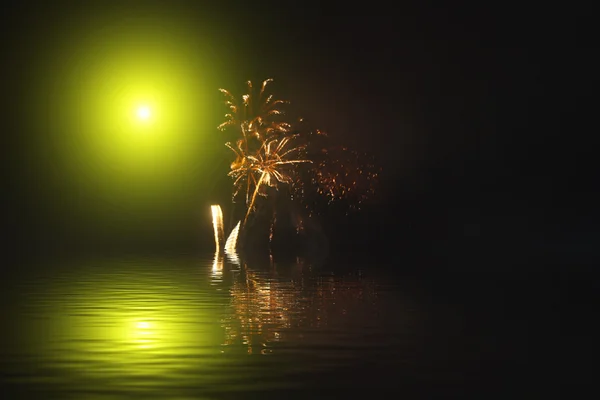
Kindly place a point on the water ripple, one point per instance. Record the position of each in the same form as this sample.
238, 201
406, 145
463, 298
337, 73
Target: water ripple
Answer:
113, 328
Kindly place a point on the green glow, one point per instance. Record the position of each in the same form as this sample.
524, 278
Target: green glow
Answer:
123, 113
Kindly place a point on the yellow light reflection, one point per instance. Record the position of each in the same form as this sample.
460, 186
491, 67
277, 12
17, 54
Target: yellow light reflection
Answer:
217, 268
142, 335
122, 324
143, 325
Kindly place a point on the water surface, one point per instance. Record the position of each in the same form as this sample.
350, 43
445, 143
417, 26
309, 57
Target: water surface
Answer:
213, 327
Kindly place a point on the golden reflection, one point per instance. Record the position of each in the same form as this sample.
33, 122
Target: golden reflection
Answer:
217, 267
231, 245
269, 311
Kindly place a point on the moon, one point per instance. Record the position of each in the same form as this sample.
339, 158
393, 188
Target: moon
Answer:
144, 113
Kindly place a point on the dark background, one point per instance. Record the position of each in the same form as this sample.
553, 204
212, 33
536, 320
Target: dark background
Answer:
480, 117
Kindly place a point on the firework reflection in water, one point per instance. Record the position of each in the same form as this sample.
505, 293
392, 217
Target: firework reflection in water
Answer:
272, 314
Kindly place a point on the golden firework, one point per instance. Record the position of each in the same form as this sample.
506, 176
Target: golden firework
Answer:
265, 168
256, 115
264, 157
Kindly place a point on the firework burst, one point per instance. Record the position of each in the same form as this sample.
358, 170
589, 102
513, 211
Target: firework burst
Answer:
268, 167
337, 176
257, 115
270, 153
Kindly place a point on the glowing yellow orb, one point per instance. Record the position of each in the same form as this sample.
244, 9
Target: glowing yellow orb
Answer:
143, 113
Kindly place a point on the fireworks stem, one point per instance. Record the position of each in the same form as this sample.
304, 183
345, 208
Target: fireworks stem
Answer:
254, 196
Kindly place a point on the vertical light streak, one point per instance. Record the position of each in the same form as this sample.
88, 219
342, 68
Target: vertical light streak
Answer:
217, 215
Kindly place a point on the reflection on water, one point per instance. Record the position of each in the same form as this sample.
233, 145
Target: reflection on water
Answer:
275, 313
136, 326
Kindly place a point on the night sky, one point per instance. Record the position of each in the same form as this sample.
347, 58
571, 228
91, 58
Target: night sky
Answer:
477, 117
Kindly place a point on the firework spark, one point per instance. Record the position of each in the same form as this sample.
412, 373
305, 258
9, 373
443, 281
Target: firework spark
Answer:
231, 245
265, 168
338, 175
217, 216
317, 173
262, 154
255, 115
